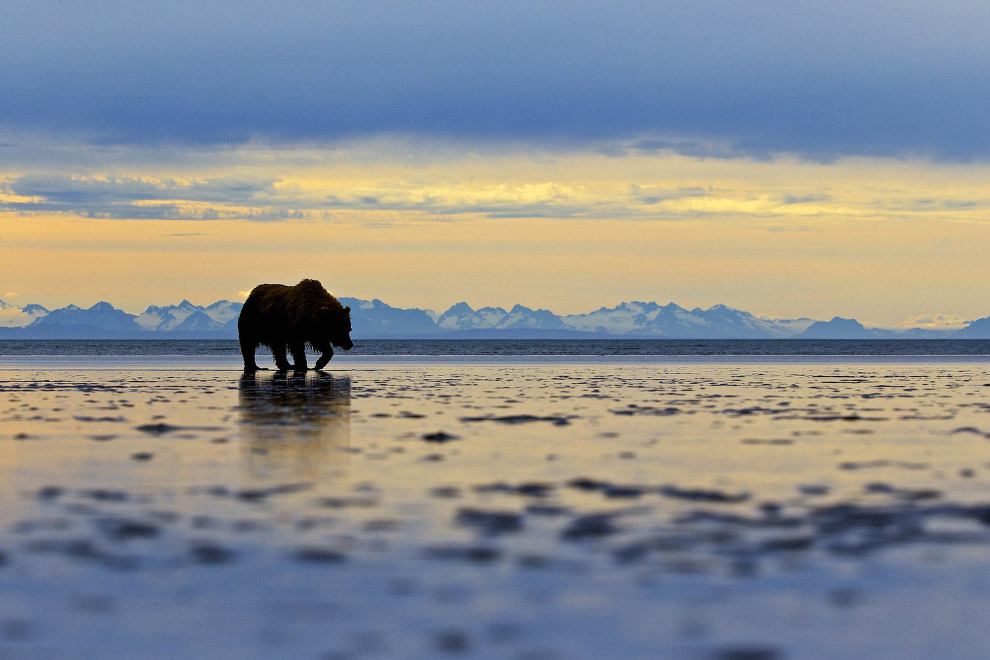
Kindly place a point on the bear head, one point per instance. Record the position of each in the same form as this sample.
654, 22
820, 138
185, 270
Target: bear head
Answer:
335, 324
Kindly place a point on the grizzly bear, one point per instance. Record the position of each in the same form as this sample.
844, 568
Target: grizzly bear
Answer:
289, 317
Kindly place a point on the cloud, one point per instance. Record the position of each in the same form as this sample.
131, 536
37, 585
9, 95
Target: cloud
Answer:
70, 190
172, 198
759, 78
696, 148
934, 322
360, 185
134, 197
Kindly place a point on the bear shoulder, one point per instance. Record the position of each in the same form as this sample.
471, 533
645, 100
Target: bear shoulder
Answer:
312, 293
309, 284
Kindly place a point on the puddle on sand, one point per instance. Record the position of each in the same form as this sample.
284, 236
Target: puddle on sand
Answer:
530, 511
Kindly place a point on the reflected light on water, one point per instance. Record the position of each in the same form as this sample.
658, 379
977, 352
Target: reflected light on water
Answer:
295, 423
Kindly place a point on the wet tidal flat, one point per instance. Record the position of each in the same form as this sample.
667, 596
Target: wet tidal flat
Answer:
538, 511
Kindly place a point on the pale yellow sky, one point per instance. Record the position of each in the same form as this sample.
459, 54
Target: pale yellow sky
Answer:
879, 240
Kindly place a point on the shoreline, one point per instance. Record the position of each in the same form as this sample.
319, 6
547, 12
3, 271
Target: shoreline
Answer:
366, 362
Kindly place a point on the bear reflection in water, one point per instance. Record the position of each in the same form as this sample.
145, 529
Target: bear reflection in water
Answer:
297, 422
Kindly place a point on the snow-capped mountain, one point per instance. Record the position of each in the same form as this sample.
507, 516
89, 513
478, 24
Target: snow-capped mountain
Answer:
104, 320
101, 316
520, 317
371, 319
166, 318
724, 321
628, 319
223, 311
187, 317
789, 327
622, 319
462, 317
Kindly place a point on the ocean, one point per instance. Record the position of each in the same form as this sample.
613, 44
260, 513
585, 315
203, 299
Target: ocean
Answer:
972, 348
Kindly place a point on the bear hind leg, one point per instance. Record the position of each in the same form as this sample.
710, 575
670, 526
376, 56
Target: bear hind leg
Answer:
281, 362
298, 350
248, 348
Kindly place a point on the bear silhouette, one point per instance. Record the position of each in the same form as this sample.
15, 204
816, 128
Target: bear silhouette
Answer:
286, 318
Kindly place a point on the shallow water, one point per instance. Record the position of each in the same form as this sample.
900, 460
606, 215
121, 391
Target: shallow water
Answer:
522, 510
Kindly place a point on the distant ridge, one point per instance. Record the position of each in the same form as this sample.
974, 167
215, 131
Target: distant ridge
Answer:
375, 319
978, 329
838, 328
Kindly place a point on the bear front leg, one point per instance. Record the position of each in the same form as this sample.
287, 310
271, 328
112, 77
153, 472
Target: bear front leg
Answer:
298, 350
281, 362
326, 352
324, 358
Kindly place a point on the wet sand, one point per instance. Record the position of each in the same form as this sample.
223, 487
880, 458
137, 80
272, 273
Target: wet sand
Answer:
418, 510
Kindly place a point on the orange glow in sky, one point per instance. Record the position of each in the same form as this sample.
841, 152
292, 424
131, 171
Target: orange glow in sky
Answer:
880, 240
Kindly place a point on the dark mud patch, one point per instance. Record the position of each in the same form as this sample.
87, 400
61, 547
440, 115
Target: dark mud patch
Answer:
489, 523
124, 529
472, 554
591, 526
703, 495
556, 420
606, 488
969, 429
162, 428
49, 493
528, 489
747, 653
752, 410
347, 502
319, 555
208, 552
770, 441
813, 490
651, 411
854, 417
439, 437
910, 494
254, 495
107, 495
882, 463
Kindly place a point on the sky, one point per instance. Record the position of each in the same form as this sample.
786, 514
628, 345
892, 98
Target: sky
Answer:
791, 159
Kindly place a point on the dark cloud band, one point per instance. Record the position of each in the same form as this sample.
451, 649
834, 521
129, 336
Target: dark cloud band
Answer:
763, 77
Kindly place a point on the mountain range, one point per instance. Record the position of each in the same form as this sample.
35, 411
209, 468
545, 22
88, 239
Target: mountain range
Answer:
374, 319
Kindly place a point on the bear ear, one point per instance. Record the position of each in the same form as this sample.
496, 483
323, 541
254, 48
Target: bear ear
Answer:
348, 309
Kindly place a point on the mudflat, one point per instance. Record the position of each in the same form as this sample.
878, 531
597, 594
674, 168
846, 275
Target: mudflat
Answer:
498, 510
